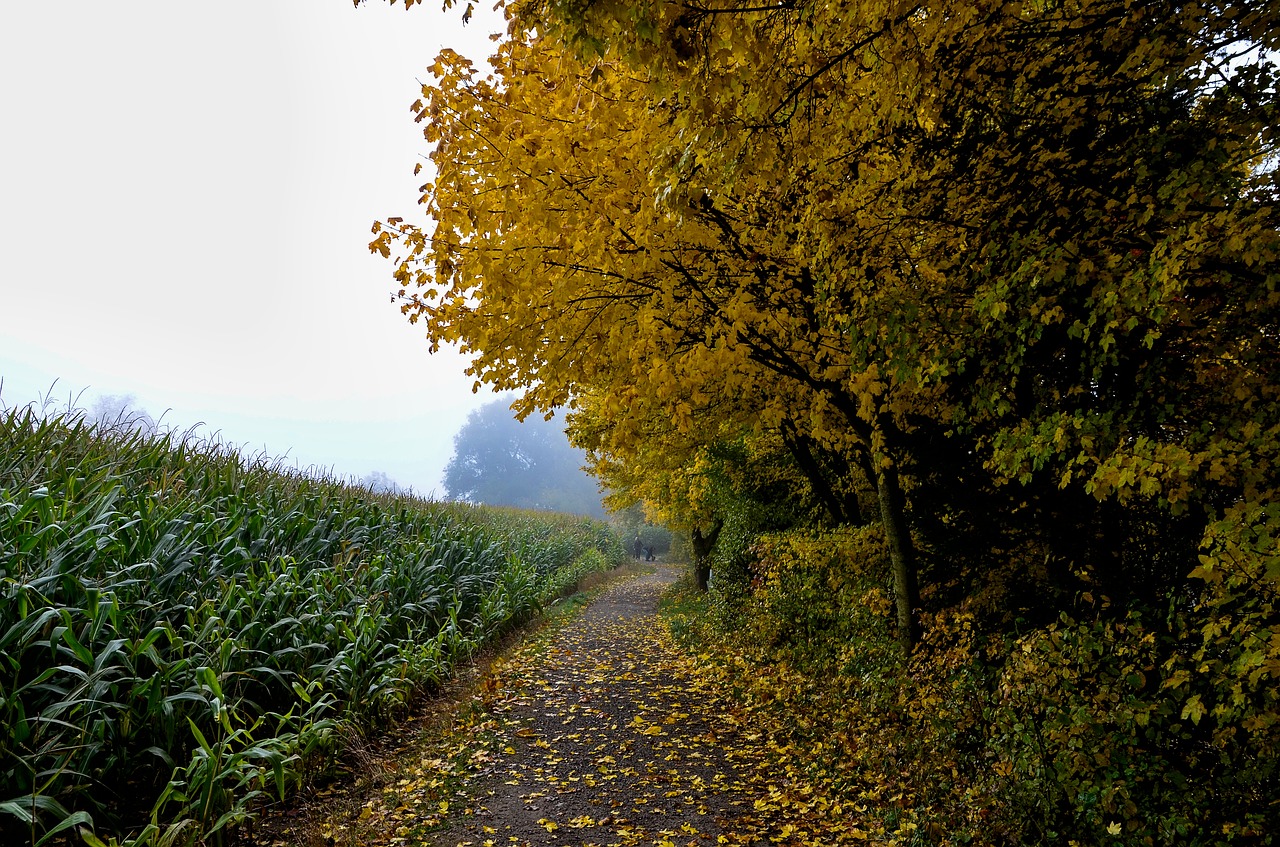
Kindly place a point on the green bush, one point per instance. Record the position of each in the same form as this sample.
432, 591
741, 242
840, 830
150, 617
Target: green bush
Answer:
567, 579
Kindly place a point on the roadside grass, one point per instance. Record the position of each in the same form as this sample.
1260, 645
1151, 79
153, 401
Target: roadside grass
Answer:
686, 611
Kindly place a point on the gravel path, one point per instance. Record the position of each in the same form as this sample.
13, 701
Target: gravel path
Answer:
604, 738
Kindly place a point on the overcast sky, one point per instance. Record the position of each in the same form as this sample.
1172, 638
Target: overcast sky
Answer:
186, 192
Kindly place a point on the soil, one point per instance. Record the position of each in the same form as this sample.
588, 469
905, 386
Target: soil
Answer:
602, 742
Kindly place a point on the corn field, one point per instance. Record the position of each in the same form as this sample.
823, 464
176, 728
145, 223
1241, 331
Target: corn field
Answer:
185, 633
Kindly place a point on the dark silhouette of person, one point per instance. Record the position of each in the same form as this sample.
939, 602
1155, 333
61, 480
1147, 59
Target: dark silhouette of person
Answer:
638, 547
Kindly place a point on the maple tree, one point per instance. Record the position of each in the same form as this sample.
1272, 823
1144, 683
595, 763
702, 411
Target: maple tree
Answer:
1039, 234
636, 307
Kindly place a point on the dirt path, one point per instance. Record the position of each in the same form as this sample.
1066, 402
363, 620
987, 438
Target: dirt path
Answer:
603, 738
600, 734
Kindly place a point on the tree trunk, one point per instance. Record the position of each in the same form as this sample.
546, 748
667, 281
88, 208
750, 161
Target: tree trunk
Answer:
702, 546
702, 574
902, 560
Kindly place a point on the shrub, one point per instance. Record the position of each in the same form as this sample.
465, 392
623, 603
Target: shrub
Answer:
1108, 726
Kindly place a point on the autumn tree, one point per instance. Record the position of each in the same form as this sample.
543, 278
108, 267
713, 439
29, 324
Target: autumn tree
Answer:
667, 316
1033, 243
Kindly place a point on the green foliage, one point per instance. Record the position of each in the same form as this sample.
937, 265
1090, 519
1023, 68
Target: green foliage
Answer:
567, 579
818, 601
1102, 723
182, 631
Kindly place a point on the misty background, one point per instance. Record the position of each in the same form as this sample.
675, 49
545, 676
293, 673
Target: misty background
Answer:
186, 194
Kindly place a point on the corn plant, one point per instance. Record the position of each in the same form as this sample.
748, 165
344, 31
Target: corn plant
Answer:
184, 631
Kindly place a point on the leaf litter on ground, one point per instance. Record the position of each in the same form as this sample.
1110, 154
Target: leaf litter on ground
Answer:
603, 731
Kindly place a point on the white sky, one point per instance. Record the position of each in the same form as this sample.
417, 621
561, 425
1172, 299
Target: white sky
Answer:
186, 192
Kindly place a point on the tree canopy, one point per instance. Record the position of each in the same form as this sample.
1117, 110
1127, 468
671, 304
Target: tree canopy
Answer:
1013, 256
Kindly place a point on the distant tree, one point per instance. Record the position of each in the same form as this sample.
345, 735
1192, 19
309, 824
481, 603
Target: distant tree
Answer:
379, 483
500, 461
120, 413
